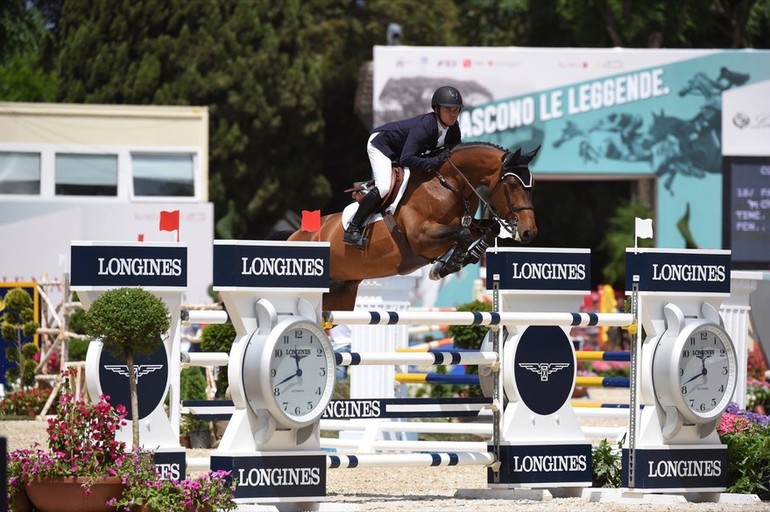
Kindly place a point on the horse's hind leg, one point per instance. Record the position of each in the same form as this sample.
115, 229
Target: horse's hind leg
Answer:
341, 296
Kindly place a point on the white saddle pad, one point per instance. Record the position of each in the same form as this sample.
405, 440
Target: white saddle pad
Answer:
351, 209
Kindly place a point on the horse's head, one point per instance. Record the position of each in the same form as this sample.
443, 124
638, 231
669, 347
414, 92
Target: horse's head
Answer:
512, 195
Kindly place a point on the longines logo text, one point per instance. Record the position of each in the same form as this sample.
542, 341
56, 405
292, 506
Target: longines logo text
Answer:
140, 267
686, 272
282, 266
549, 463
353, 408
301, 352
168, 471
571, 271
278, 476
680, 468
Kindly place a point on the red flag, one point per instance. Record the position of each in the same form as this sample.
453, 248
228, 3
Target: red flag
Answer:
169, 221
140, 237
311, 221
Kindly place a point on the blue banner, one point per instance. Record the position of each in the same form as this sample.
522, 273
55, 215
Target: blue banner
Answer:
114, 266
674, 468
705, 272
273, 478
553, 463
536, 270
271, 265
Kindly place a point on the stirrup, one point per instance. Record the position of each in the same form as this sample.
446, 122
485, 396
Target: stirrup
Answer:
359, 242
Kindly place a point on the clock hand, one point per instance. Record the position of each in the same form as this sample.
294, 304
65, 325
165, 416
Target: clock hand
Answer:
289, 377
694, 377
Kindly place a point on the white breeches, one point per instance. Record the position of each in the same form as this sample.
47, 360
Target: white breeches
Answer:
382, 167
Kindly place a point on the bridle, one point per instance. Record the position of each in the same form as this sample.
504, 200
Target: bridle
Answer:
510, 225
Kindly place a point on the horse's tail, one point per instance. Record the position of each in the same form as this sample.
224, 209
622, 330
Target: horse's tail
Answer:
281, 235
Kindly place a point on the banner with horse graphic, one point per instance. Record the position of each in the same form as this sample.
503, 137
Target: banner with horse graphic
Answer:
597, 113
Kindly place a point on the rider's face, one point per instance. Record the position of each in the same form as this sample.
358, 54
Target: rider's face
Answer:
448, 115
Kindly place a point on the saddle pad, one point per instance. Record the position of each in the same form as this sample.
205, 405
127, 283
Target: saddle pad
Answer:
350, 209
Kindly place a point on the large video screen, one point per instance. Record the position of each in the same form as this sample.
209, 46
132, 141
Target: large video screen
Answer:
746, 211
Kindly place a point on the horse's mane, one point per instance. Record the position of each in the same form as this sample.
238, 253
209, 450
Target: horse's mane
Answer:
469, 145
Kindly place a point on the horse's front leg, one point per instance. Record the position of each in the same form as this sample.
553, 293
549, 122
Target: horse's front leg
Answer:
453, 259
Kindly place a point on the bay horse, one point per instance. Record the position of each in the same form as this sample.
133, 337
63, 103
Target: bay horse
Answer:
435, 217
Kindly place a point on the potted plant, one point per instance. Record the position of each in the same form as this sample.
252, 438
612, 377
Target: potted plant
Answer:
208, 492
84, 466
128, 321
87, 470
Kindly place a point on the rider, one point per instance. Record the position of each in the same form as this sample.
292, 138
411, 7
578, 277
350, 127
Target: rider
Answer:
406, 142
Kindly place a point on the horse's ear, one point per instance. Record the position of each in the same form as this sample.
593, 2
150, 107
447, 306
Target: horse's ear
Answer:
517, 154
529, 156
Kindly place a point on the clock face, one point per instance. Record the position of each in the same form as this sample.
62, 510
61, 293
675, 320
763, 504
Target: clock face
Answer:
706, 370
300, 366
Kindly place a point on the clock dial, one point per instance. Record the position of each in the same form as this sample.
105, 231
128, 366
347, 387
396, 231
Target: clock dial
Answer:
706, 370
299, 370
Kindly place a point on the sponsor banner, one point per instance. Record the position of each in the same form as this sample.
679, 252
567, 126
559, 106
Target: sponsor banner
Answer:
170, 465
271, 265
678, 468
404, 408
276, 478
745, 121
598, 113
705, 272
544, 464
539, 270
138, 264
544, 368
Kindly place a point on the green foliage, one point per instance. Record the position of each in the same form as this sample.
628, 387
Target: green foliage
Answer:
192, 384
127, 321
17, 325
469, 336
218, 338
606, 465
748, 462
619, 236
77, 349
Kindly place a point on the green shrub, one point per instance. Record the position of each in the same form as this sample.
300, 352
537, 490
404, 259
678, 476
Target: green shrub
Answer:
469, 337
218, 338
192, 384
606, 465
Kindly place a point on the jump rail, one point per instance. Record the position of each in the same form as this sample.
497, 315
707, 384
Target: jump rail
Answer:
476, 318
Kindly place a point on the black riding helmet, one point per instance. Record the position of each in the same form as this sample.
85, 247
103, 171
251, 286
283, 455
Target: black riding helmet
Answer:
447, 96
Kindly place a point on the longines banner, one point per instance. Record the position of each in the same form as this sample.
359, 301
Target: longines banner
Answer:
596, 112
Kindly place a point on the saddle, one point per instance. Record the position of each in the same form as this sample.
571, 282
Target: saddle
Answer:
360, 189
410, 261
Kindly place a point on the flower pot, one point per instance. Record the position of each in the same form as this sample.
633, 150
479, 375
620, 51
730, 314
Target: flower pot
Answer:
20, 502
68, 495
200, 438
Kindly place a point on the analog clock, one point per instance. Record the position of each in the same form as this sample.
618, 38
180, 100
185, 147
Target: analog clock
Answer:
289, 373
694, 369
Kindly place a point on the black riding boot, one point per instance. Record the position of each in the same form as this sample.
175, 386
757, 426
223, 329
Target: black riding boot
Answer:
353, 235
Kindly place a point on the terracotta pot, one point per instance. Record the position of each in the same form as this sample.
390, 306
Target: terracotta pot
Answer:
67, 495
20, 502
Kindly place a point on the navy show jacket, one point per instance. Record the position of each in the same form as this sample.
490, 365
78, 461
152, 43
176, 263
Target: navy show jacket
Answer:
405, 141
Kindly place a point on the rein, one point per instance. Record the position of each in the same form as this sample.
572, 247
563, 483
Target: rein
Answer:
510, 225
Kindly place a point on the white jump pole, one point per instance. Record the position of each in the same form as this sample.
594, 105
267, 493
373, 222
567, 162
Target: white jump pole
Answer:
477, 318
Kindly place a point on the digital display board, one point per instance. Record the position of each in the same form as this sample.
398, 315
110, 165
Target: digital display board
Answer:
746, 211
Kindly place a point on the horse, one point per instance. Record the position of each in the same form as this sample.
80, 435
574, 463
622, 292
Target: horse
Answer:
433, 222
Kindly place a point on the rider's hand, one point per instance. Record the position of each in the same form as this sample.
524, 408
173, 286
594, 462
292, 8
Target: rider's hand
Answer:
442, 157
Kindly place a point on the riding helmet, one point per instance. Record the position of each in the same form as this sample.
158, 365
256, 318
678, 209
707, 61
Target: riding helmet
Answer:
447, 96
